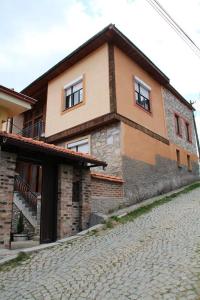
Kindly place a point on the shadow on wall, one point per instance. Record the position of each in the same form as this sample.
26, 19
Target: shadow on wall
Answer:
143, 180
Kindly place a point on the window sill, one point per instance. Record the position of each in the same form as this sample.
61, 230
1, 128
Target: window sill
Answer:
143, 109
72, 108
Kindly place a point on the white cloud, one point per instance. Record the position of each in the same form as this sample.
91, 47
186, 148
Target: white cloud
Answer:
32, 51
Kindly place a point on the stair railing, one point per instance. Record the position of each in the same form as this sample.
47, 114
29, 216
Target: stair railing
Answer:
25, 190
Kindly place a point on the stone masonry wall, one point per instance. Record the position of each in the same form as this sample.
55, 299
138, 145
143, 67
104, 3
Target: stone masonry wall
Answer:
7, 173
172, 105
105, 145
143, 180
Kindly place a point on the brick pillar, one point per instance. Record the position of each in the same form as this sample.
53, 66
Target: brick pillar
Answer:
64, 207
85, 199
7, 173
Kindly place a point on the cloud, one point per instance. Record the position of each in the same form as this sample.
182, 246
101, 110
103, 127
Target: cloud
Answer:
48, 31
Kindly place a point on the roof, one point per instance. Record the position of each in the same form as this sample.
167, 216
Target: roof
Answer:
21, 142
109, 34
17, 95
107, 177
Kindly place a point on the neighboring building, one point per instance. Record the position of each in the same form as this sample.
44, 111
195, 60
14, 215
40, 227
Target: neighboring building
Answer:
12, 104
108, 99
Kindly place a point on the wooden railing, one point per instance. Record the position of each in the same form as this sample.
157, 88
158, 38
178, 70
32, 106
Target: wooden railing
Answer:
25, 190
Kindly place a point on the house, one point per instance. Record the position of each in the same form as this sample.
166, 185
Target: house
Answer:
62, 205
108, 100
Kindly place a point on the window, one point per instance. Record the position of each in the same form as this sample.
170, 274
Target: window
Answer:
142, 95
73, 94
189, 163
178, 158
188, 133
79, 146
178, 125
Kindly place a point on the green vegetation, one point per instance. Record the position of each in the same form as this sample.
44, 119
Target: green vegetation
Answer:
147, 208
14, 262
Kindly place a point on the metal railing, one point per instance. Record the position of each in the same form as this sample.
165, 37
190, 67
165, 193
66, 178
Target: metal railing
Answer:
25, 190
35, 131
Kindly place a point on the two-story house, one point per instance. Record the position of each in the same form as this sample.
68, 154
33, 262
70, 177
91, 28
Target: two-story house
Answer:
107, 98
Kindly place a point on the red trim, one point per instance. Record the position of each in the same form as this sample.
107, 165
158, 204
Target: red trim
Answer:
180, 124
107, 177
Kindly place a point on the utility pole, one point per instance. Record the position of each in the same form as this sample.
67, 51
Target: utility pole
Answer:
195, 128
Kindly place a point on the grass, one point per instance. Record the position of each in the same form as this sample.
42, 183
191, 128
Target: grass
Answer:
147, 208
14, 262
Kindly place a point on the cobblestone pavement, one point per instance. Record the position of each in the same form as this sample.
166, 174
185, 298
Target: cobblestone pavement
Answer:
155, 257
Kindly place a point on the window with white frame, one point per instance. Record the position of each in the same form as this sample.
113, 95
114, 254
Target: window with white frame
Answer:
73, 94
142, 94
80, 146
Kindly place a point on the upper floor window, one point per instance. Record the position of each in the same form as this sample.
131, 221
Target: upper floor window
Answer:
73, 94
188, 132
142, 94
177, 124
80, 146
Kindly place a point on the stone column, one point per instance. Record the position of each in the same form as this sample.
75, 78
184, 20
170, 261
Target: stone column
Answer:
85, 199
7, 173
64, 207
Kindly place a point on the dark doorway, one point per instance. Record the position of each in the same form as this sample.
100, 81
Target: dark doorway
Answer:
48, 225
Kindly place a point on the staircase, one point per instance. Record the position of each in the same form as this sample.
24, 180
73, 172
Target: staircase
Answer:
28, 203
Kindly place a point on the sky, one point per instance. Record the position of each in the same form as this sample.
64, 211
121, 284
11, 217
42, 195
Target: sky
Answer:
36, 34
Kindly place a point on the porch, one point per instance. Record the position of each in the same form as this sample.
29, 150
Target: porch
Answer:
65, 187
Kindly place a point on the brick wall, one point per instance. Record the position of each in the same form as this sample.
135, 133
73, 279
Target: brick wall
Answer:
73, 216
7, 173
107, 196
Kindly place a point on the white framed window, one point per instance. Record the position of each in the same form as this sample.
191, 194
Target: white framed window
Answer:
142, 94
73, 93
80, 146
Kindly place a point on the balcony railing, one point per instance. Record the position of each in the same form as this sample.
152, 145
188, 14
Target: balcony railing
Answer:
35, 131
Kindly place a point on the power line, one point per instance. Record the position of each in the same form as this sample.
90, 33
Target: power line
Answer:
174, 25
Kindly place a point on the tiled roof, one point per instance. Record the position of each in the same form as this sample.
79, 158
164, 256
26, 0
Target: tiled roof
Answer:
107, 177
51, 148
17, 95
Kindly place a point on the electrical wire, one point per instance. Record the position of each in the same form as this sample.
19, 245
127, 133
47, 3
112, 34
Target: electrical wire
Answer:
174, 25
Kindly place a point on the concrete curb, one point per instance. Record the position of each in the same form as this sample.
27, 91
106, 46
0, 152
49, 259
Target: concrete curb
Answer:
50, 245
8, 259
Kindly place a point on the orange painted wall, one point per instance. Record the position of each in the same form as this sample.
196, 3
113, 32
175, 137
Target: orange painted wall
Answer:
94, 68
140, 146
125, 70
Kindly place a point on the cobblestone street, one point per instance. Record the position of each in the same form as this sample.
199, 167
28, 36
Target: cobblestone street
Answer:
155, 257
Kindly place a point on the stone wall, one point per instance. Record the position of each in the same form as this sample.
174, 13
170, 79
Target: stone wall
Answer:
172, 105
143, 180
105, 145
7, 173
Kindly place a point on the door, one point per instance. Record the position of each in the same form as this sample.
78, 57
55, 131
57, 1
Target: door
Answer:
48, 221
